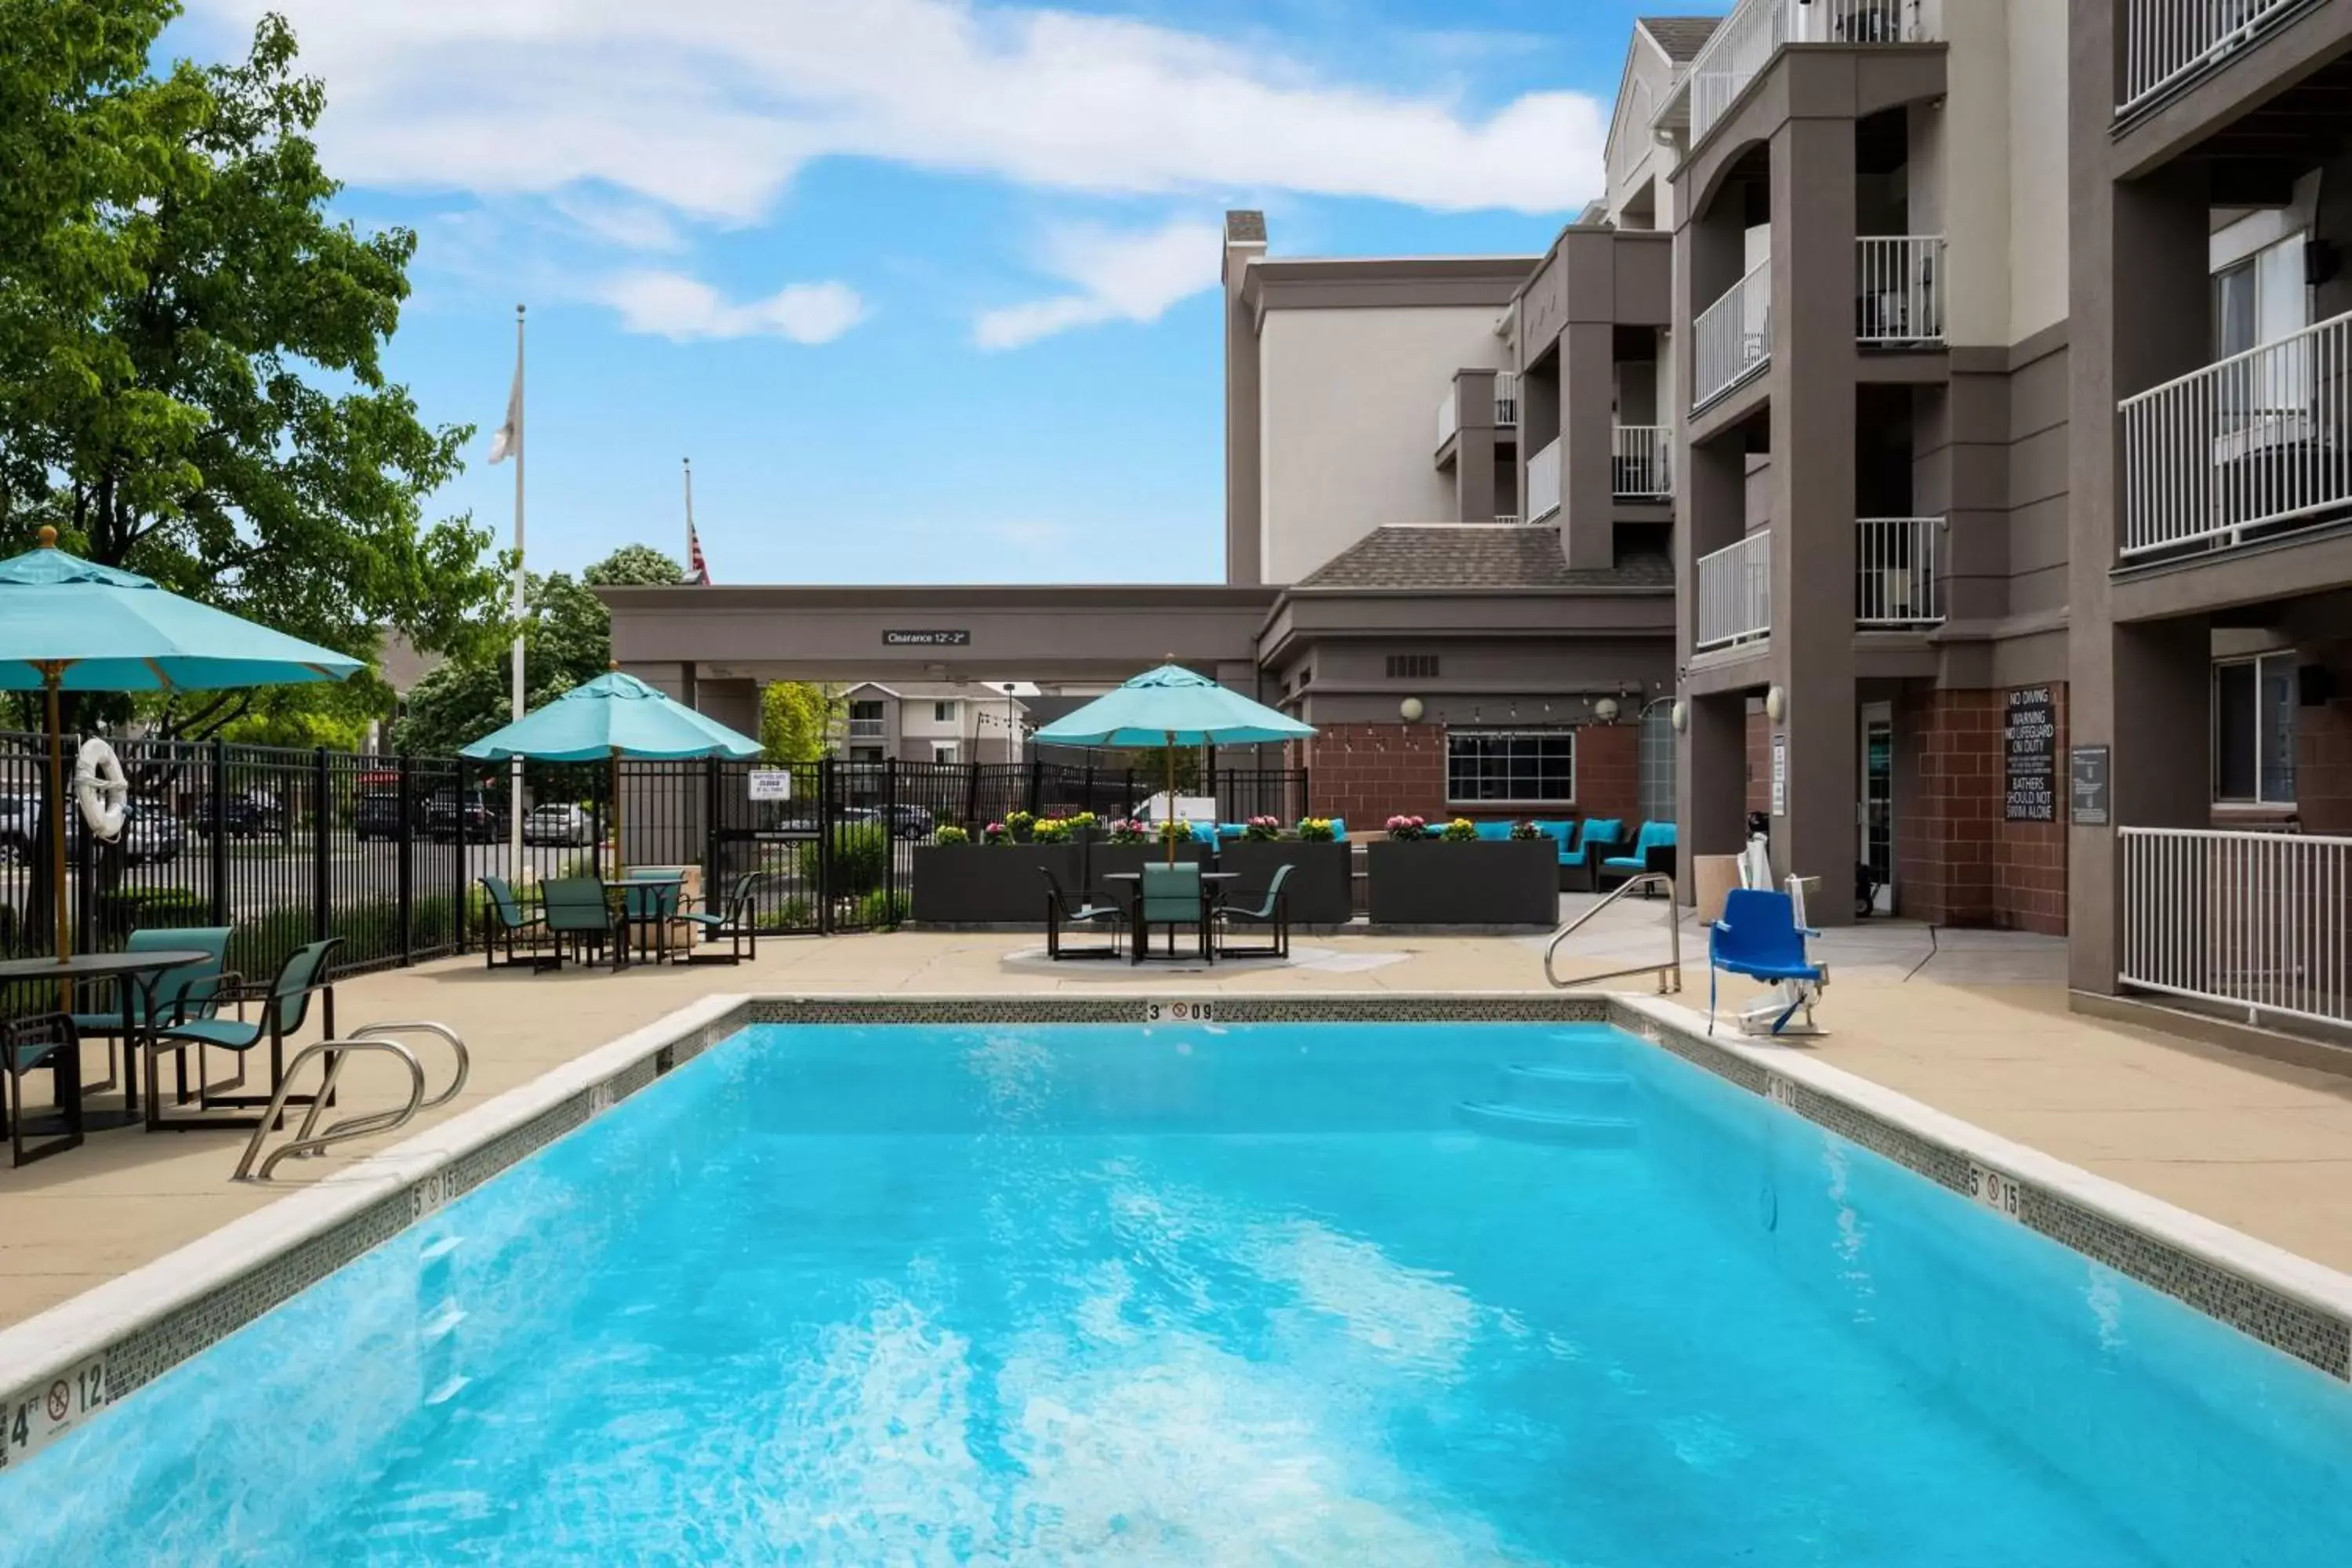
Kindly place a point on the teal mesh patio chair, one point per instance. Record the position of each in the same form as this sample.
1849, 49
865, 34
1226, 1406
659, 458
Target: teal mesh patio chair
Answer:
1061, 915
508, 926
736, 923
1273, 913
192, 990
42, 1042
283, 1007
1169, 896
578, 916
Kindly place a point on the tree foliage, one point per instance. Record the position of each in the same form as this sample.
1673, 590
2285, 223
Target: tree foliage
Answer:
191, 373
797, 720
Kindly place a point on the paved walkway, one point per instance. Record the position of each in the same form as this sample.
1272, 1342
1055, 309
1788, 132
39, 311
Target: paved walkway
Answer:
1973, 1023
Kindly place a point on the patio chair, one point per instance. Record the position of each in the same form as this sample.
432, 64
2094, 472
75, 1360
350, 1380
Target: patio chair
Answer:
1172, 896
649, 903
1272, 912
736, 924
1595, 835
190, 991
285, 1006
1060, 916
1759, 937
576, 913
44, 1041
1642, 856
506, 923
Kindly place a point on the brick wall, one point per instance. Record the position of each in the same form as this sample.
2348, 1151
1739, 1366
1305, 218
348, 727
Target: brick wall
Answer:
1957, 860
1369, 773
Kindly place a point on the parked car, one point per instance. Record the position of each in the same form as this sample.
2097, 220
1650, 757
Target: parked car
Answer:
906, 821
151, 833
247, 814
19, 820
378, 816
477, 816
557, 822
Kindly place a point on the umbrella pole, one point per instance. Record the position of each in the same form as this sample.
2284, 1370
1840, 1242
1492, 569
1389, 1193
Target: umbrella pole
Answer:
1167, 837
52, 673
614, 763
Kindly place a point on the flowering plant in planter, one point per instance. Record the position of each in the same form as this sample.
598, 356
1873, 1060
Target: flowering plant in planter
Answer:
1526, 832
1051, 830
952, 834
1019, 825
1404, 829
1078, 820
1317, 830
1173, 832
996, 833
1461, 830
1261, 829
1128, 830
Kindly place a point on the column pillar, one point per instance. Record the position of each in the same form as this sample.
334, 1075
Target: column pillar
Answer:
1473, 446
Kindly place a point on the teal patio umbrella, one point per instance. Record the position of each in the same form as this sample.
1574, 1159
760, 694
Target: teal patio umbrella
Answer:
1171, 707
71, 625
612, 717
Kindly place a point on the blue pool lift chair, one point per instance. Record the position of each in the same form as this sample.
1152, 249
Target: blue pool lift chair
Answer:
1759, 936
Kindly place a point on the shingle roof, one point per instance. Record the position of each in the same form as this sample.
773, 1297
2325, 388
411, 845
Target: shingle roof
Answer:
1439, 556
1681, 36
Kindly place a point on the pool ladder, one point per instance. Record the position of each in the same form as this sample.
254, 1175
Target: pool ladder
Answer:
308, 1140
1669, 973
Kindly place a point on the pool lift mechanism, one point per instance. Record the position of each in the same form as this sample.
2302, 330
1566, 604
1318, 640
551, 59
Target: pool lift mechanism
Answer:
1773, 1015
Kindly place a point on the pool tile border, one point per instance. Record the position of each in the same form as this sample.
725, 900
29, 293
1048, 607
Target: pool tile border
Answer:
125, 1334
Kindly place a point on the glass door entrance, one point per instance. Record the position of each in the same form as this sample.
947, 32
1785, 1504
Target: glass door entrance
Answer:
1876, 812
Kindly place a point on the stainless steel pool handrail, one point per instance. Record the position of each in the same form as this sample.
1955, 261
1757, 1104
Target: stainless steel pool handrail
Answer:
1669, 973
381, 1038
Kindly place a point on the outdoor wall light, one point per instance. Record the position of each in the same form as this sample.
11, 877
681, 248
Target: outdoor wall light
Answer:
1680, 714
1776, 704
1409, 709
1606, 710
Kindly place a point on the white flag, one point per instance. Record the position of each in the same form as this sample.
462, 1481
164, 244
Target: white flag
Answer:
508, 440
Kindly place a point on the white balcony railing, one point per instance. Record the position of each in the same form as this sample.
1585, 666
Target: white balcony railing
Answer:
1896, 579
1735, 592
1900, 288
1543, 483
1744, 45
1642, 462
2168, 41
1506, 407
2258, 441
2257, 921
865, 729
1732, 338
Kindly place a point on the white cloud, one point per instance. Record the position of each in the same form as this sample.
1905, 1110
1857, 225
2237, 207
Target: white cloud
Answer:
629, 223
710, 107
680, 308
1119, 277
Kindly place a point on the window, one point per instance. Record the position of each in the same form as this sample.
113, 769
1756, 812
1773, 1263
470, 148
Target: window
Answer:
943, 751
865, 753
2254, 729
1515, 766
865, 721
943, 712
1413, 666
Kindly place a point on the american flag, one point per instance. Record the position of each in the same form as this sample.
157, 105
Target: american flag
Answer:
698, 571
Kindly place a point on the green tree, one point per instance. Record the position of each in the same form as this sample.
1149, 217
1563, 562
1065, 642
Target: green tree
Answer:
195, 384
797, 720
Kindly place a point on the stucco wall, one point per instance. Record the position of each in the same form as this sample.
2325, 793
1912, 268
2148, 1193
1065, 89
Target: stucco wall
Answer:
1349, 422
2037, 165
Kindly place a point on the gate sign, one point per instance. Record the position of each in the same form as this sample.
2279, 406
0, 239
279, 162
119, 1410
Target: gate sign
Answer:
2031, 774
772, 783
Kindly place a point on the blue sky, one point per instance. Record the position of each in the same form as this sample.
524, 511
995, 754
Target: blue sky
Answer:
924, 287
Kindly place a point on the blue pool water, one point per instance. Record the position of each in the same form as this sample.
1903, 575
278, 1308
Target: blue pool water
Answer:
1233, 1296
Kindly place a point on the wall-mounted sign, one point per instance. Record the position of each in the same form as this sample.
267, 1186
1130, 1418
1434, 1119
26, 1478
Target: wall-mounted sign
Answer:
2030, 775
2087, 773
1780, 776
956, 637
772, 783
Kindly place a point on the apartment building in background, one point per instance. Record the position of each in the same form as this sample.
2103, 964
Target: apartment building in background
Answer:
934, 721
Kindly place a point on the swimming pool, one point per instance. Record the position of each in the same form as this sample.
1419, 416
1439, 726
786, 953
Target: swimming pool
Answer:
1281, 1293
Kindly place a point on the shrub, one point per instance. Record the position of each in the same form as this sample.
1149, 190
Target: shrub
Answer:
1317, 830
1128, 830
792, 914
1020, 825
1525, 831
951, 836
883, 908
1405, 829
1261, 829
861, 859
1461, 830
125, 911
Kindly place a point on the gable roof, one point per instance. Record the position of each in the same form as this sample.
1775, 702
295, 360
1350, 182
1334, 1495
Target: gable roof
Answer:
1679, 37
1446, 555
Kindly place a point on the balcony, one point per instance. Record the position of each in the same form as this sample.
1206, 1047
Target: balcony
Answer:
1641, 463
1732, 339
1735, 593
1506, 407
1543, 483
1897, 585
1745, 44
1900, 290
2255, 444
2168, 42
2254, 922
865, 729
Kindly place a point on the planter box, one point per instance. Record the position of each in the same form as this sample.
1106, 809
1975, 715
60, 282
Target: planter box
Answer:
1431, 882
990, 884
1102, 859
1317, 891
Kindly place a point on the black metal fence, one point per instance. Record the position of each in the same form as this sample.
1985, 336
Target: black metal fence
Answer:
387, 852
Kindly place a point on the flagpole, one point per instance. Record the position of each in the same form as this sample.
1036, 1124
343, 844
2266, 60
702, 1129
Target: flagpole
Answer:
687, 463
514, 769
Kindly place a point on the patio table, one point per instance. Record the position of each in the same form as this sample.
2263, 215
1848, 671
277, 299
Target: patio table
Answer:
127, 969
656, 916
1212, 885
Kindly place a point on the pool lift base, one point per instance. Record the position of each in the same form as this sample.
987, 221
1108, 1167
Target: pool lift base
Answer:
1771, 1018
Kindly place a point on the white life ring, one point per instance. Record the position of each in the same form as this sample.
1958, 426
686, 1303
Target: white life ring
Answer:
99, 788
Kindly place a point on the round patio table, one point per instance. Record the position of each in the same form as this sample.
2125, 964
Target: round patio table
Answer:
631, 919
1212, 884
141, 969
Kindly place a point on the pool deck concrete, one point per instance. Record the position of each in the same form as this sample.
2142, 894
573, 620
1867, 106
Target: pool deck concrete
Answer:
1974, 1024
